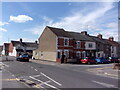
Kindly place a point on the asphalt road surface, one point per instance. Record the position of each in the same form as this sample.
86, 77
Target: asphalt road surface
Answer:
33, 75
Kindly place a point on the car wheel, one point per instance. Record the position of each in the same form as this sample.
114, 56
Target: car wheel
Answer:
27, 60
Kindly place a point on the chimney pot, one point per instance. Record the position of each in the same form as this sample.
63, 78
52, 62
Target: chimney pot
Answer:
36, 42
84, 32
99, 36
111, 38
20, 39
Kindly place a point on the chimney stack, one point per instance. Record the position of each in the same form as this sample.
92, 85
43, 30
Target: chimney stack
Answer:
111, 38
21, 40
36, 42
100, 36
84, 32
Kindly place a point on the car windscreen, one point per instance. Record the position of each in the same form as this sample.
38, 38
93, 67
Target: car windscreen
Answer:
24, 55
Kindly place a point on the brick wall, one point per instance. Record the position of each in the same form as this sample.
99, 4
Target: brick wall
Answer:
11, 48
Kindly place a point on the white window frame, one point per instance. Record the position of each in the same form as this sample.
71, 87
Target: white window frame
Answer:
78, 53
67, 56
83, 54
77, 45
67, 42
89, 45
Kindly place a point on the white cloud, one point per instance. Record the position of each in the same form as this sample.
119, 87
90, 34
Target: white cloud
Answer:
20, 18
47, 20
112, 25
36, 30
3, 23
98, 13
3, 30
78, 22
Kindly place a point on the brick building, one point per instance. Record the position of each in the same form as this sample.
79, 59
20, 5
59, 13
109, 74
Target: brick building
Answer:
17, 48
5, 50
54, 42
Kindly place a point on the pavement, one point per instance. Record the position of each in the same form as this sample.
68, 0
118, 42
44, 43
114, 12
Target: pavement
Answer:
44, 74
103, 70
106, 71
7, 79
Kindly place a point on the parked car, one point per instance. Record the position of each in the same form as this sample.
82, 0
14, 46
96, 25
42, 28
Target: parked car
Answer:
24, 57
88, 60
119, 60
102, 60
113, 59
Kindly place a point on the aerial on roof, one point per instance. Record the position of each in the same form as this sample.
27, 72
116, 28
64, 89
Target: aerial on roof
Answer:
75, 35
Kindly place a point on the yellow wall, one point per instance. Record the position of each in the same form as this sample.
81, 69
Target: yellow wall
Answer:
47, 46
47, 41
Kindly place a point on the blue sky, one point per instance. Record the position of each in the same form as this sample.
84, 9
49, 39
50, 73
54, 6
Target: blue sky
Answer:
28, 19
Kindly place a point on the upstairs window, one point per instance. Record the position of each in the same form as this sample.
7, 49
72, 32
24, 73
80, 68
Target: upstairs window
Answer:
66, 41
90, 45
77, 44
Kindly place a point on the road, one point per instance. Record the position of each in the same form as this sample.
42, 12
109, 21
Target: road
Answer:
34, 75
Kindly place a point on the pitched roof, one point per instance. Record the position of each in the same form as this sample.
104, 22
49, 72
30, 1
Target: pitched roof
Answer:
99, 40
114, 43
59, 31
74, 35
79, 36
29, 44
15, 43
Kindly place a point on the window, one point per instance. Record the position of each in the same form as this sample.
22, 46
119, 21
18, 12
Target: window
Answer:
83, 54
77, 44
90, 45
66, 41
78, 54
66, 53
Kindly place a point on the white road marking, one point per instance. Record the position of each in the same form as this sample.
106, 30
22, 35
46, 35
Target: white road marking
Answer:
36, 70
43, 82
36, 75
51, 79
13, 75
105, 84
6, 65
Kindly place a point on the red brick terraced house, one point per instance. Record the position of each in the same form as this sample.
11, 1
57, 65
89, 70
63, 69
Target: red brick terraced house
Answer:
17, 48
115, 47
103, 48
54, 42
